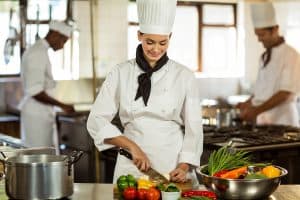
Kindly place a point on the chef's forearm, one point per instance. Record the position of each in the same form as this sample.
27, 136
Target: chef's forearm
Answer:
274, 101
43, 97
121, 141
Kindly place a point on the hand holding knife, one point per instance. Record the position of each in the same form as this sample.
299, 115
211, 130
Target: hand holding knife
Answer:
152, 173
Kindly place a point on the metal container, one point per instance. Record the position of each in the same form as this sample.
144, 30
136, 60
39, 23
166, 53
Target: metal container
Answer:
240, 188
39, 176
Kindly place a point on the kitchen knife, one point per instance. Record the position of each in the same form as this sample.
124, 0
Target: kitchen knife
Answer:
152, 173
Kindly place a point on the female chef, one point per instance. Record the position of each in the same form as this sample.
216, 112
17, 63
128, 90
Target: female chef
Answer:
276, 87
155, 98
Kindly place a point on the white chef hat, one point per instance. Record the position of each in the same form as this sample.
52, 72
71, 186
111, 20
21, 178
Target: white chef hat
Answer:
61, 27
156, 16
263, 15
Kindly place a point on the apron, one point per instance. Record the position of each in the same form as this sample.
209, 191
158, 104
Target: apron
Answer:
38, 120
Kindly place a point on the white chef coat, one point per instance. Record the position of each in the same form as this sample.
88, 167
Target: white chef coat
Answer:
281, 73
38, 127
174, 101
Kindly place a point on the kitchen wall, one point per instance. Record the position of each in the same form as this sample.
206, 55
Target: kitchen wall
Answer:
110, 45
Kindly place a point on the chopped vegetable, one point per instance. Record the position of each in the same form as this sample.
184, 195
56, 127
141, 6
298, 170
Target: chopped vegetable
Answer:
235, 173
219, 173
172, 188
224, 159
143, 183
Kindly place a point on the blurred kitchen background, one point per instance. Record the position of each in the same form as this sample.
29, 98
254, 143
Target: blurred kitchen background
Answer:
215, 38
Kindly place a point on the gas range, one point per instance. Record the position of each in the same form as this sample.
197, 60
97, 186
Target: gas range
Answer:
249, 137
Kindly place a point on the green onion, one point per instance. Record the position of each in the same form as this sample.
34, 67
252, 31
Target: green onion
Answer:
224, 159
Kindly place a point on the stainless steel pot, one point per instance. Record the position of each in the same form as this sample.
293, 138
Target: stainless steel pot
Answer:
40, 176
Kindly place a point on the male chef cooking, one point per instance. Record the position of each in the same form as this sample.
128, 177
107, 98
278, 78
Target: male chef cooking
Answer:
155, 96
277, 84
38, 127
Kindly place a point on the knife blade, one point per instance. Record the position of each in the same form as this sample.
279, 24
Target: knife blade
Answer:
153, 174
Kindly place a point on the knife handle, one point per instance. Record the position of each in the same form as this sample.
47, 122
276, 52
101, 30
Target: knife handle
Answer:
125, 153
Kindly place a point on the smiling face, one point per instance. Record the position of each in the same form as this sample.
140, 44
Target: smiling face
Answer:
154, 46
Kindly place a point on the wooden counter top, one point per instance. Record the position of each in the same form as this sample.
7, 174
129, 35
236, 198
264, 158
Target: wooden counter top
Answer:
91, 191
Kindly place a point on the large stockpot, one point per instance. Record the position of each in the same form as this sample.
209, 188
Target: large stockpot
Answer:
39, 176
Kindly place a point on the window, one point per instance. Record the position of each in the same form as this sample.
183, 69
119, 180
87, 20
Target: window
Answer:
65, 63
206, 44
288, 14
36, 17
9, 39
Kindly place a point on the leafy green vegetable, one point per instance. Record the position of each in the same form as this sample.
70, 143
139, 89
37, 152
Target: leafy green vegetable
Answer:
161, 187
172, 188
200, 198
224, 159
255, 176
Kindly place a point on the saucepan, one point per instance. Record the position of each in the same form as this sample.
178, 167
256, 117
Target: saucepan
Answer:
40, 176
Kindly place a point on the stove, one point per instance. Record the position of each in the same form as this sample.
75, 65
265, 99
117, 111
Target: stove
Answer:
276, 144
252, 137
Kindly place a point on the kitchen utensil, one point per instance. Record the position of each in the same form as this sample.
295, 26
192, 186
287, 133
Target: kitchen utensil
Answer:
39, 176
10, 42
245, 189
37, 37
152, 173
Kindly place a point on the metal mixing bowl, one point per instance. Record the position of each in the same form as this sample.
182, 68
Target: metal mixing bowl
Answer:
240, 188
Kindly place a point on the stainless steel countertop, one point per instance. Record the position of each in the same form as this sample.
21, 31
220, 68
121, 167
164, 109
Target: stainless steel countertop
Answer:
93, 191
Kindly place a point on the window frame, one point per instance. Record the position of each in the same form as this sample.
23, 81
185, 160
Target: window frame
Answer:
202, 25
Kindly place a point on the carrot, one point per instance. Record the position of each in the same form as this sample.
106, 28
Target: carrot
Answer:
235, 173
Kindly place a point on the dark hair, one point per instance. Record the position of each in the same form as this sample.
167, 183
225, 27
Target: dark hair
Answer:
271, 28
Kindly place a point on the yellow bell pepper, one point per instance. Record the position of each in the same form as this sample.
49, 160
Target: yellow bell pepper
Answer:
145, 184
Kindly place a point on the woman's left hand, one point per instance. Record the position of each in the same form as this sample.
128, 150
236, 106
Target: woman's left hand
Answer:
179, 174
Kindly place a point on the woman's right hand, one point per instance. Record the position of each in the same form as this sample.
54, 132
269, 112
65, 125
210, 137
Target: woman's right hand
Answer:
140, 159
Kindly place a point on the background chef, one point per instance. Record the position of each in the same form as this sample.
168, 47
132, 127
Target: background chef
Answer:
277, 85
155, 97
38, 127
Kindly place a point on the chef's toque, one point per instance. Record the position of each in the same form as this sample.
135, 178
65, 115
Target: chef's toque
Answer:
156, 16
263, 15
61, 27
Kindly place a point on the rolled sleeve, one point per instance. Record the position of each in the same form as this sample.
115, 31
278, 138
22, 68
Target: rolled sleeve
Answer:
193, 137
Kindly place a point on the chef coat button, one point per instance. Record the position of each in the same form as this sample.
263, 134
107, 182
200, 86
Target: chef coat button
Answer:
163, 111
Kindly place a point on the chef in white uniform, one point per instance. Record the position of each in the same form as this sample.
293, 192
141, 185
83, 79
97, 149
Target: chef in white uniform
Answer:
277, 84
38, 125
155, 97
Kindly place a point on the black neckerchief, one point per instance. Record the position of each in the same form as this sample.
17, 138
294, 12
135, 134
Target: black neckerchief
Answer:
266, 56
144, 79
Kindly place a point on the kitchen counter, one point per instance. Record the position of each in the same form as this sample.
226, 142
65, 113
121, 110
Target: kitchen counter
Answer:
90, 191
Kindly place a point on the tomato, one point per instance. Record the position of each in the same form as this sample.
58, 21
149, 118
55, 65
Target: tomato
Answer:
142, 194
153, 194
130, 193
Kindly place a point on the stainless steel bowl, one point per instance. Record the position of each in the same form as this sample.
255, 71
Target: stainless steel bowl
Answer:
240, 188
